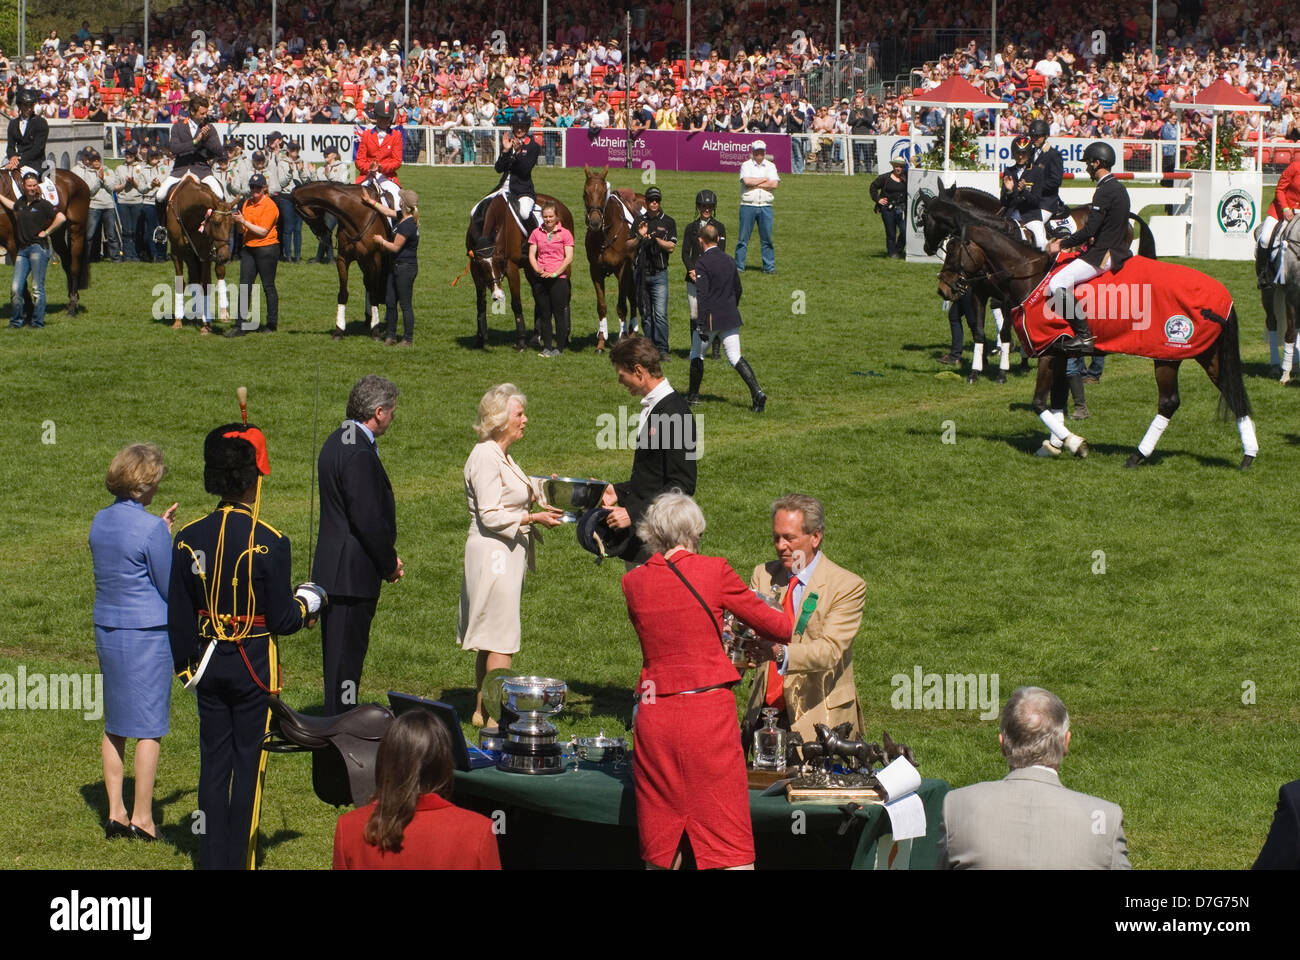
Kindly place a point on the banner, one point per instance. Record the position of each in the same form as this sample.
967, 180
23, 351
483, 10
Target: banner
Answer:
313, 138
995, 152
671, 149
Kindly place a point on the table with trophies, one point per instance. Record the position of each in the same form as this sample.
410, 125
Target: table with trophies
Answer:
572, 804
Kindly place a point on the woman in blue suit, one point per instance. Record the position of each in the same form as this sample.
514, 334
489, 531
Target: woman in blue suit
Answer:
131, 550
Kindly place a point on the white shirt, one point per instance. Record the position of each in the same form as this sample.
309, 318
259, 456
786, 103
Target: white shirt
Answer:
648, 403
799, 584
757, 196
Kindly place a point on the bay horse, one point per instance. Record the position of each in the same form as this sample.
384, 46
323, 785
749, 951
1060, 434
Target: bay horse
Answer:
497, 251
1016, 272
608, 253
70, 242
939, 221
357, 224
198, 230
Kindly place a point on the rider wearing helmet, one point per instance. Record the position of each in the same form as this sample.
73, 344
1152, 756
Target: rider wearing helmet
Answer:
1022, 191
26, 149
519, 154
1047, 171
706, 204
379, 153
1104, 234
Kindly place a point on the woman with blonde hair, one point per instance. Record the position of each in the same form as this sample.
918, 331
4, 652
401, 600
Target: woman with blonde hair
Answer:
131, 552
499, 548
404, 264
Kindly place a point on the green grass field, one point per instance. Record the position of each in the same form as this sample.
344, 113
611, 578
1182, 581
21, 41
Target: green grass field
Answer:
1175, 662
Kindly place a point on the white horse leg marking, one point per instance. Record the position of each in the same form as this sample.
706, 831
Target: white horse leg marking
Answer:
1288, 357
1148, 444
603, 327
1249, 444
977, 360
374, 316
223, 299
340, 320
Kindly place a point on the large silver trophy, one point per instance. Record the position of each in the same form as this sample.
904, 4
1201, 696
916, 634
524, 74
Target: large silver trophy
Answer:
531, 745
575, 497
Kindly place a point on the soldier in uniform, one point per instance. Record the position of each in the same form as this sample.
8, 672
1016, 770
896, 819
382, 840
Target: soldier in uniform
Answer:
706, 202
197, 146
1105, 234
103, 183
230, 597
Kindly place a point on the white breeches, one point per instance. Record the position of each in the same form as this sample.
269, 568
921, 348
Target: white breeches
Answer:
1072, 274
730, 344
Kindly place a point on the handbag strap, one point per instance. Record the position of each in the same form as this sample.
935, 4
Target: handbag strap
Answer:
707, 609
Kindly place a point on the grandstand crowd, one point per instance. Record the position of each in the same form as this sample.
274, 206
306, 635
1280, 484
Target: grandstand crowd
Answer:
1089, 73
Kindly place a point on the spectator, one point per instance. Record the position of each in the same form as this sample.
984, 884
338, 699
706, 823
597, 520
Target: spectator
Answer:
411, 823
758, 178
889, 194
550, 253
131, 552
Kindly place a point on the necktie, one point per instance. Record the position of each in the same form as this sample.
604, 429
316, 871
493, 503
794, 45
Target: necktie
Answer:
775, 682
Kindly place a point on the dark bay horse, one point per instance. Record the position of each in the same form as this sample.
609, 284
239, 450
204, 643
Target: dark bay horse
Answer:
1013, 271
497, 251
608, 253
940, 221
69, 242
357, 224
198, 230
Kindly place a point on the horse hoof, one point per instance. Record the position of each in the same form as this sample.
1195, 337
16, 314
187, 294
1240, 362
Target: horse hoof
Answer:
205, 329
522, 345
479, 343
1135, 460
336, 334
1082, 450
1246, 461
1047, 450
1000, 377
177, 324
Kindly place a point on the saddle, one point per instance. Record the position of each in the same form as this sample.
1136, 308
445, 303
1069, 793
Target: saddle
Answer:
343, 748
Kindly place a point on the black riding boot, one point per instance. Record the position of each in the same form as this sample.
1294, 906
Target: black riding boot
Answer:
1083, 337
717, 347
747, 374
1263, 271
522, 332
1076, 391
160, 231
697, 377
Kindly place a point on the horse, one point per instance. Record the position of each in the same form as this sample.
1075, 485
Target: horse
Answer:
1282, 301
198, 228
607, 246
357, 225
938, 223
497, 251
69, 243
1016, 273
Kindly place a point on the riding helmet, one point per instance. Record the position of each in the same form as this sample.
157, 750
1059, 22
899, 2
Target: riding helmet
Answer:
521, 121
653, 194
26, 97
1039, 128
706, 198
1102, 153
1021, 144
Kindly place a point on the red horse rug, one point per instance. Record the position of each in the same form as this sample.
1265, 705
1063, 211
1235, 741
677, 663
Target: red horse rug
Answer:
1150, 308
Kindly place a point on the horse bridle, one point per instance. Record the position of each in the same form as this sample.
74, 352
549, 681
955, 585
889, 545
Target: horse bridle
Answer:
964, 278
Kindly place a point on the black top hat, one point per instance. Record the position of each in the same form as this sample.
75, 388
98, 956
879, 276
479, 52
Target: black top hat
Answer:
596, 536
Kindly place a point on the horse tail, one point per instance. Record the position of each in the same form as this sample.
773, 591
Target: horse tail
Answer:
1146, 239
1233, 402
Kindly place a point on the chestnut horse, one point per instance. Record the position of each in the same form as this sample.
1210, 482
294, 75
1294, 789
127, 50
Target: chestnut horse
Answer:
497, 251
357, 225
1012, 271
198, 230
608, 253
70, 241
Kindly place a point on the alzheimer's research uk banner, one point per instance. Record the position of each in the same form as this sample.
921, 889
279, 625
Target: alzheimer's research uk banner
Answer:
671, 149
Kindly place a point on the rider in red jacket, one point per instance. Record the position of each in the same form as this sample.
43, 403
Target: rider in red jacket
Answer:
1285, 205
379, 153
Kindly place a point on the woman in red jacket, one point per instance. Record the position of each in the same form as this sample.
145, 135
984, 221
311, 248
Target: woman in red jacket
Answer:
411, 825
689, 768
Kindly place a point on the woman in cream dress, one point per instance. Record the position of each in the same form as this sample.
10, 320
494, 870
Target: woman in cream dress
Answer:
499, 549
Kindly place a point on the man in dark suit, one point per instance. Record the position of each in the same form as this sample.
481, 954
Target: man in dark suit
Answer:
717, 294
358, 532
667, 444
1282, 848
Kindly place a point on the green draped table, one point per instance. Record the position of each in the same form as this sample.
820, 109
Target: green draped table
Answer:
587, 818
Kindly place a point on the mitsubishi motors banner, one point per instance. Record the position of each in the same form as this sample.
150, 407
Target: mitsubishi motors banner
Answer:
313, 138
671, 149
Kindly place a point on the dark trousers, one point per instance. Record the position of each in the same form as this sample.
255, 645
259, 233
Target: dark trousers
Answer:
345, 638
895, 230
552, 297
289, 227
131, 215
232, 719
259, 263
401, 283
149, 222
325, 246
965, 307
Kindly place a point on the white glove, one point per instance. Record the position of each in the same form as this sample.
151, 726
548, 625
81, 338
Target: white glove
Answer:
310, 597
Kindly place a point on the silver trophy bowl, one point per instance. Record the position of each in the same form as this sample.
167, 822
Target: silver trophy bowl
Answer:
601, 749
530, 744
575, 497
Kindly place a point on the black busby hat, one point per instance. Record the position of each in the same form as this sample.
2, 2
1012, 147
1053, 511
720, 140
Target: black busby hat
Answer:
596, 536
233, 456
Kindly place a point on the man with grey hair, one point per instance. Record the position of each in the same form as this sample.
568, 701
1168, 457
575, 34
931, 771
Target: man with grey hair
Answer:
1028, 820
356, 549
809, 680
